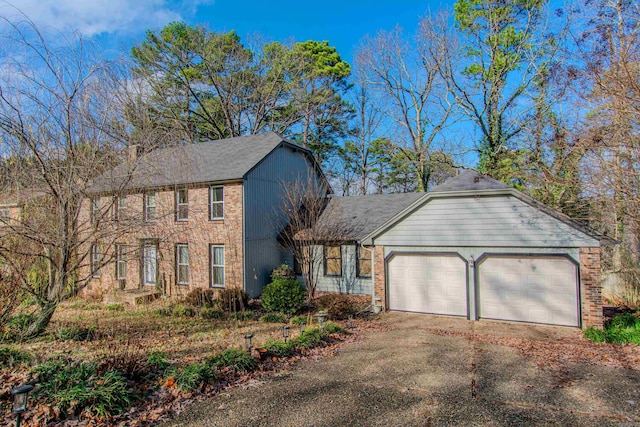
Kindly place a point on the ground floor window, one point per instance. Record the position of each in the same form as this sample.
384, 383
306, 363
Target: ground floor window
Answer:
333, 260
364, 262
217, 266
121, 262
182, 264
96, 259
150, 264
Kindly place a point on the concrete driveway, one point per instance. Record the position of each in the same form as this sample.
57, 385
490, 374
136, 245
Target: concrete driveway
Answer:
425, 370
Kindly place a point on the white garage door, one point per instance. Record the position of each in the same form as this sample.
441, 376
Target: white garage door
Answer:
428, 284
529, 289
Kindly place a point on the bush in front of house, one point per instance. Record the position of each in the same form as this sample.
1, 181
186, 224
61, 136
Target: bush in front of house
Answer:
237, 359
273, 317
339, 306
283, 295
73, 388
232, 300
211, 313
200, 297
624, 328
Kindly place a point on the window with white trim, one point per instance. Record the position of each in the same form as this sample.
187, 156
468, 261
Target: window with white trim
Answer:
119, 208
217, 266
96, 259
121, 262
150, 263
150, 206
182, 204
182, 264
95, 210
216, 201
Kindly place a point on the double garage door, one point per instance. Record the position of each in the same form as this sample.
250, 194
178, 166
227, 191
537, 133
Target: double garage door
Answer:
538, 289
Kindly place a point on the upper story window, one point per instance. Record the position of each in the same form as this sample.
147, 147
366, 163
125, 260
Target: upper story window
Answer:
150, 206
119, 207
364, 262
333, 260
182, 204
216, 200
95, 210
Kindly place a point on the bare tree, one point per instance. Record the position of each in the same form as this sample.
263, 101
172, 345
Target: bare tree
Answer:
308, 230
411, 89
60, 124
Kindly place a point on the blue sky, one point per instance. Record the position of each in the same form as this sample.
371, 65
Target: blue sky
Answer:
119, 24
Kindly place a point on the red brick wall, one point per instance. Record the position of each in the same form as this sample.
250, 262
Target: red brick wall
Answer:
590, 287
379, 276
198, 232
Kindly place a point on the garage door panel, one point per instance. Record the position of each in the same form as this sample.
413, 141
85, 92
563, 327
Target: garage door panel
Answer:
530, 289
428, 284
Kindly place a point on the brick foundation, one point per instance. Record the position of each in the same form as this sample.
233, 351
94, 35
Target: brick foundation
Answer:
590, 287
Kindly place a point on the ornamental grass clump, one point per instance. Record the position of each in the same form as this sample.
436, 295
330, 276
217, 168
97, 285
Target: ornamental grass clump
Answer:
624, 328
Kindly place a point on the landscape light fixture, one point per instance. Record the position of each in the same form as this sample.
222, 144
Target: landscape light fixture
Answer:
303, 326
20, 399
247, 342
322, 318
285, 332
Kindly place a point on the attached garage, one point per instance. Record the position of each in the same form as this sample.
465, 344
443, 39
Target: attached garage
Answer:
538, 289
476, 247
424, 283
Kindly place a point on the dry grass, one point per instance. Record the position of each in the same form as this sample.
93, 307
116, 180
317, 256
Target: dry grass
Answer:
143, 330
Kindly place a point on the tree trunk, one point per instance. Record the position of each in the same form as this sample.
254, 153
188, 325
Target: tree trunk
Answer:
41, 320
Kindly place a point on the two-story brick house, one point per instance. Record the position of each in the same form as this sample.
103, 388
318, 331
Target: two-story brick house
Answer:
208, 214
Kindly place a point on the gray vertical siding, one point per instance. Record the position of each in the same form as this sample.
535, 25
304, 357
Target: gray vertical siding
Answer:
500, 221
263, 219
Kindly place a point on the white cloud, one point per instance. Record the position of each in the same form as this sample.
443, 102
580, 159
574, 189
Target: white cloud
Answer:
94, 17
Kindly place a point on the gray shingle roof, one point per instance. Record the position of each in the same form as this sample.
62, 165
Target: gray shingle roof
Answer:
354, 217
469, 181
214, 161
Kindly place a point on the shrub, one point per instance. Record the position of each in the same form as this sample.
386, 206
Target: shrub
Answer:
211, 313
11, 357
298, 320
624, 328
283, 295
76, 387
77, 333
114, 307
237, 359
243, 315
313, 336
200, 298
192, 376
280, 348
338, 306
180, 310
283, 271
273, 318
232, 300
157, 360
333, 328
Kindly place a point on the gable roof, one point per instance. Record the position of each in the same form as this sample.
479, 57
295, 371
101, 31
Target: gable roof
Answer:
472, 183
354, 217
469, 180
213, 161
